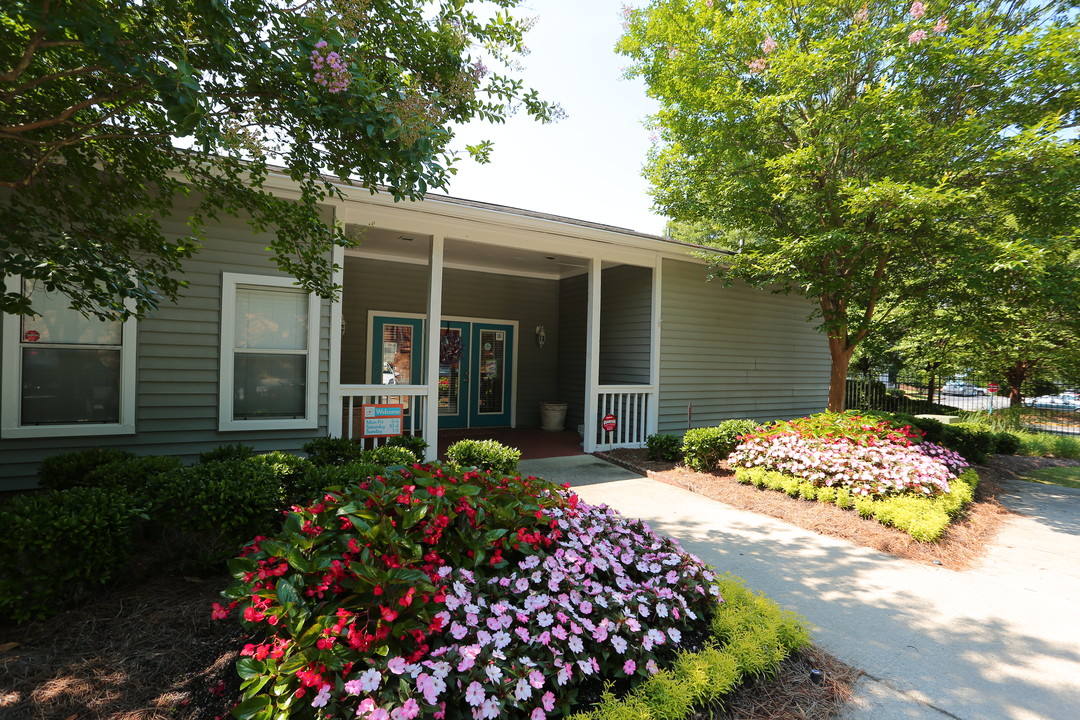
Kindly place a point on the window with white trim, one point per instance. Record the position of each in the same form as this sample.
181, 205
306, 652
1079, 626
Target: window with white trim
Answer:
269, 354
65, 374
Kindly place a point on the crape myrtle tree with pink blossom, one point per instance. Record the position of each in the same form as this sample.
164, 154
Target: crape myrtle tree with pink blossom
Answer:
863, 153
112, 109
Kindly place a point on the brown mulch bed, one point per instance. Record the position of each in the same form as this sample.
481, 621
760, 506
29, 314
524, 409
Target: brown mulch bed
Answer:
147, 652
964, 543
151, 652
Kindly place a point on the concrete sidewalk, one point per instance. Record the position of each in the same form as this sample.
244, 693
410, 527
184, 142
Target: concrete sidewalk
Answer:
1001, 642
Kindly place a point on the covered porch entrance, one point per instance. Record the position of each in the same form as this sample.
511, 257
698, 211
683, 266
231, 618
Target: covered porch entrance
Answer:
526, 316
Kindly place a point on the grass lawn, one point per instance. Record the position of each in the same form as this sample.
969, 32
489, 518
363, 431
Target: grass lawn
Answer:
1064, 476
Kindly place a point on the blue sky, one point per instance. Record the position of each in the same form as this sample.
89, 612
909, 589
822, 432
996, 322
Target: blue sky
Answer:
588, 165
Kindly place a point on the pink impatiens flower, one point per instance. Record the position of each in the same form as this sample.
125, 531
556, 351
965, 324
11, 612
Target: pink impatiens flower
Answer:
474, 694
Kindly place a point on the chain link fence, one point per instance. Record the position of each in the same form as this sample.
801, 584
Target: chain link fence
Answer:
1044, 406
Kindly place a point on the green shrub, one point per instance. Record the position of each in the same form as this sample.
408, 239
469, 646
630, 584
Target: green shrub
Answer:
1007, 443
207, 512
843, 498
826, 494
136, 475
239, 451
972, 441
484, 454
704, 448
663, 447
332, 451
413, 443
57, 546
316, 480
69, 470
807, 490
291, 472
390, 456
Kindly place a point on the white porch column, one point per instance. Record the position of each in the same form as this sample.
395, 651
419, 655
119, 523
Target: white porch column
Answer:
434, 321
592, 355
333, 401
652, 421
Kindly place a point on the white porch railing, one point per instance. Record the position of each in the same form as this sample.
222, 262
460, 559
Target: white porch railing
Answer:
352, 397
632, 407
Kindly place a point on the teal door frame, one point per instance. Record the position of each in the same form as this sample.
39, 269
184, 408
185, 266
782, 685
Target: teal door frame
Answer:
485, 374
491, 395
458, 384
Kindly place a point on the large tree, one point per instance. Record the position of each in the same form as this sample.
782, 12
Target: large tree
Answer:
862, 153
110, 109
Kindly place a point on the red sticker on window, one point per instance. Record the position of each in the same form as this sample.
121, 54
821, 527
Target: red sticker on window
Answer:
32, 336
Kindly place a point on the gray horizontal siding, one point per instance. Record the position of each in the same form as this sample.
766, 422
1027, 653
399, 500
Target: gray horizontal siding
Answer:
735, 352
177, 367
402, 287
573, 344
625, 313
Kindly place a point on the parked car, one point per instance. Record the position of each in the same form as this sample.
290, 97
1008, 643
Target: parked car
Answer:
957, 387
1069, 402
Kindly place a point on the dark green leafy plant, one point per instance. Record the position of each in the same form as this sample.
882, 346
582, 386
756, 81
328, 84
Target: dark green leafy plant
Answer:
389, 455
69, 470
415, 444
57, 546
333, 451
239, 451
292, 472
704, 448
484, 454
207, 512
663, 447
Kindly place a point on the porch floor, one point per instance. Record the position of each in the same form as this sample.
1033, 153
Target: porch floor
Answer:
533, 443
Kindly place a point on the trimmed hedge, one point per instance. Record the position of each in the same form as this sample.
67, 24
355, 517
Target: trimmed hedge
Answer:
413, 443
332, 451
663, 447
69, 470
751, 634
924, 518
975, 441
484, 454
704, 448
59, 545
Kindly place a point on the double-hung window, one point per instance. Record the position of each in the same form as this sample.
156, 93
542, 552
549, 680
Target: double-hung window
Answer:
269, 354
65, 374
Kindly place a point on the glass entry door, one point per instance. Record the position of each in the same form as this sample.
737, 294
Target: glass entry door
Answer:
475, 367
454, 375
490, 390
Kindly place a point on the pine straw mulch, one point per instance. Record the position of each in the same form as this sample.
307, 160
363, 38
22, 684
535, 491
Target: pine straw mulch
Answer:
151, 652
964, 543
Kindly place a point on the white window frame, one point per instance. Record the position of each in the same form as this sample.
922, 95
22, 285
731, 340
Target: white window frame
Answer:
226, 423
12, 385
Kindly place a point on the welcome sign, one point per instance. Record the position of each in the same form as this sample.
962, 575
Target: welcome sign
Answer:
382, 420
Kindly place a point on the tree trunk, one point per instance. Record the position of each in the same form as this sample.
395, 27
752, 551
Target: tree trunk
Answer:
1016, 375
841, 358
931, 388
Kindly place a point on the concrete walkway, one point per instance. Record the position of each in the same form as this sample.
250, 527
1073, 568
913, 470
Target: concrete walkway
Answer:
1000, 642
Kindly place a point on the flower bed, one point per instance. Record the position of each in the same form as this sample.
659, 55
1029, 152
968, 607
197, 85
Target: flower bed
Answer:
882, 469
430, 593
